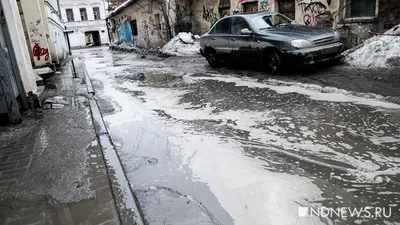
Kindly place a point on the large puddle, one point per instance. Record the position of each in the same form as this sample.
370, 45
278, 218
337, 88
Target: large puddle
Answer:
247, 151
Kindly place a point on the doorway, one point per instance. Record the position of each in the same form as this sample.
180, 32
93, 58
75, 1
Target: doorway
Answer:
92, 38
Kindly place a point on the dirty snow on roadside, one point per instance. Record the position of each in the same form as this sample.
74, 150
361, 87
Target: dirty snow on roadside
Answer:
182, 44
378, 51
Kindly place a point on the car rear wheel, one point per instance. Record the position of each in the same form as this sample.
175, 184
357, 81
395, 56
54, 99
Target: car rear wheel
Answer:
212, 58
274, 62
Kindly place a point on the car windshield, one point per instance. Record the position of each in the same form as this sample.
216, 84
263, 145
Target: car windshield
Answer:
268, 21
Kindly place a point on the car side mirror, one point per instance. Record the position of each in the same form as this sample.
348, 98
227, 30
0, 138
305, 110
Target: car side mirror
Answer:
245, 31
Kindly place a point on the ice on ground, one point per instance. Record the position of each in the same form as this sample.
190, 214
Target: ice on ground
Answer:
182, 44
378, 51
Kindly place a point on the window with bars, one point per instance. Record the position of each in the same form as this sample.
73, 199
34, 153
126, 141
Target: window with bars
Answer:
83, 14
96, 13
70, 15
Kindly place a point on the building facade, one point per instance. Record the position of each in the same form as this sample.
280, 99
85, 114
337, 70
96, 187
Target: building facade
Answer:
144, 23
86, 18
44, 31
141, 22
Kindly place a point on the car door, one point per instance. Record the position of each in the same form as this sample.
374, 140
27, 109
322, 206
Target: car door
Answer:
241, 44
219, 39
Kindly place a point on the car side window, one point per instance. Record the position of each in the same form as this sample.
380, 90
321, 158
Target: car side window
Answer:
212, 31
223, 26
239, 23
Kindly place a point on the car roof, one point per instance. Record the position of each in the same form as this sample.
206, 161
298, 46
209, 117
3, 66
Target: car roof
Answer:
253, 14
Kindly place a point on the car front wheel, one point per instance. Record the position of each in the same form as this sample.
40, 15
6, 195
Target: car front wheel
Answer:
213, 59
274, 62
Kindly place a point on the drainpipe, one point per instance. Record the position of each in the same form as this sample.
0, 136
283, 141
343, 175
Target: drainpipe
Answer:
59, 9
108, 30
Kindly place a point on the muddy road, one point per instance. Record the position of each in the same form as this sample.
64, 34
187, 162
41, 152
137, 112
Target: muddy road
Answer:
238, 146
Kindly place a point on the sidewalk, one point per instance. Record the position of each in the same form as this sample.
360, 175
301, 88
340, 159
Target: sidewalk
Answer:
52, 169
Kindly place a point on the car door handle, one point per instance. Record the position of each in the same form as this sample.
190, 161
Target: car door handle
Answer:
233, 39
213, 39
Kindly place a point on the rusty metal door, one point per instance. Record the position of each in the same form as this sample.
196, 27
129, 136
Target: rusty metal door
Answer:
287, 8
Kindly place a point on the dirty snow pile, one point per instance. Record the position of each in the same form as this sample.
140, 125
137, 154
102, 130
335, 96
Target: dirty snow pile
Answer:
182, 44
378, 51
123, 46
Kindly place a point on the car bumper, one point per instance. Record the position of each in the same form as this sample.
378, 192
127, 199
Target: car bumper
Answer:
316, 54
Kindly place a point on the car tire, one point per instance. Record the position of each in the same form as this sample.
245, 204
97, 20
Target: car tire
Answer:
212, 58
274, 62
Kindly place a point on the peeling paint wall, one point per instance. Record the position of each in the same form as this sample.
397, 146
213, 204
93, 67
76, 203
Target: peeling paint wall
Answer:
205, 13
356, 30
11, 13
150, 24
317, 12
33, 18
54, 31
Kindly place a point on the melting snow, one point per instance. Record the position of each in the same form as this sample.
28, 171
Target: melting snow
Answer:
395, 31
182, 44
378, 51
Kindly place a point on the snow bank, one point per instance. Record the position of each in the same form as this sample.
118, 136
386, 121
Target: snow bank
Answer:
395, 31
182, 44
378, 51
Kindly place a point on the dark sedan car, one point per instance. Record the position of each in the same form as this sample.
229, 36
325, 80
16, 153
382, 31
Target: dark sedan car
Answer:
270, 38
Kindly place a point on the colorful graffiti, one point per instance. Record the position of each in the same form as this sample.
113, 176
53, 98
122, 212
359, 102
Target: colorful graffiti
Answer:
311, 10
265, 5
37, 51
309, 20
125, 32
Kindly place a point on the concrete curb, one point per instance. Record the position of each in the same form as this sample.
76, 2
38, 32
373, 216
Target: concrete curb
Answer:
124, 197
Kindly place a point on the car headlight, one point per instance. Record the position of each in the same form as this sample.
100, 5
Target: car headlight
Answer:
337, 36
301, 44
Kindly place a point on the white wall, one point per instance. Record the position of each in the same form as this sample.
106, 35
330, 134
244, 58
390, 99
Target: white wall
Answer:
77, 39
55, 31
34, 19
16, 31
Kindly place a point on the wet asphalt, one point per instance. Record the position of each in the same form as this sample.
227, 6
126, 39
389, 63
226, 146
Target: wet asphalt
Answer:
348, 148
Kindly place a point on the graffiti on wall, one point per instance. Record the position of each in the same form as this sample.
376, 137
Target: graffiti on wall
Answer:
207, 13
239, 4
34, 33
265, 5
311, 10
125, 31
37, 51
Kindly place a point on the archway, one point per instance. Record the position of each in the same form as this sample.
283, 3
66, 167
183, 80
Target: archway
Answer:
92, 38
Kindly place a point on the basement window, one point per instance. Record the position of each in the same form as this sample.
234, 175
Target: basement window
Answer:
360, 10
